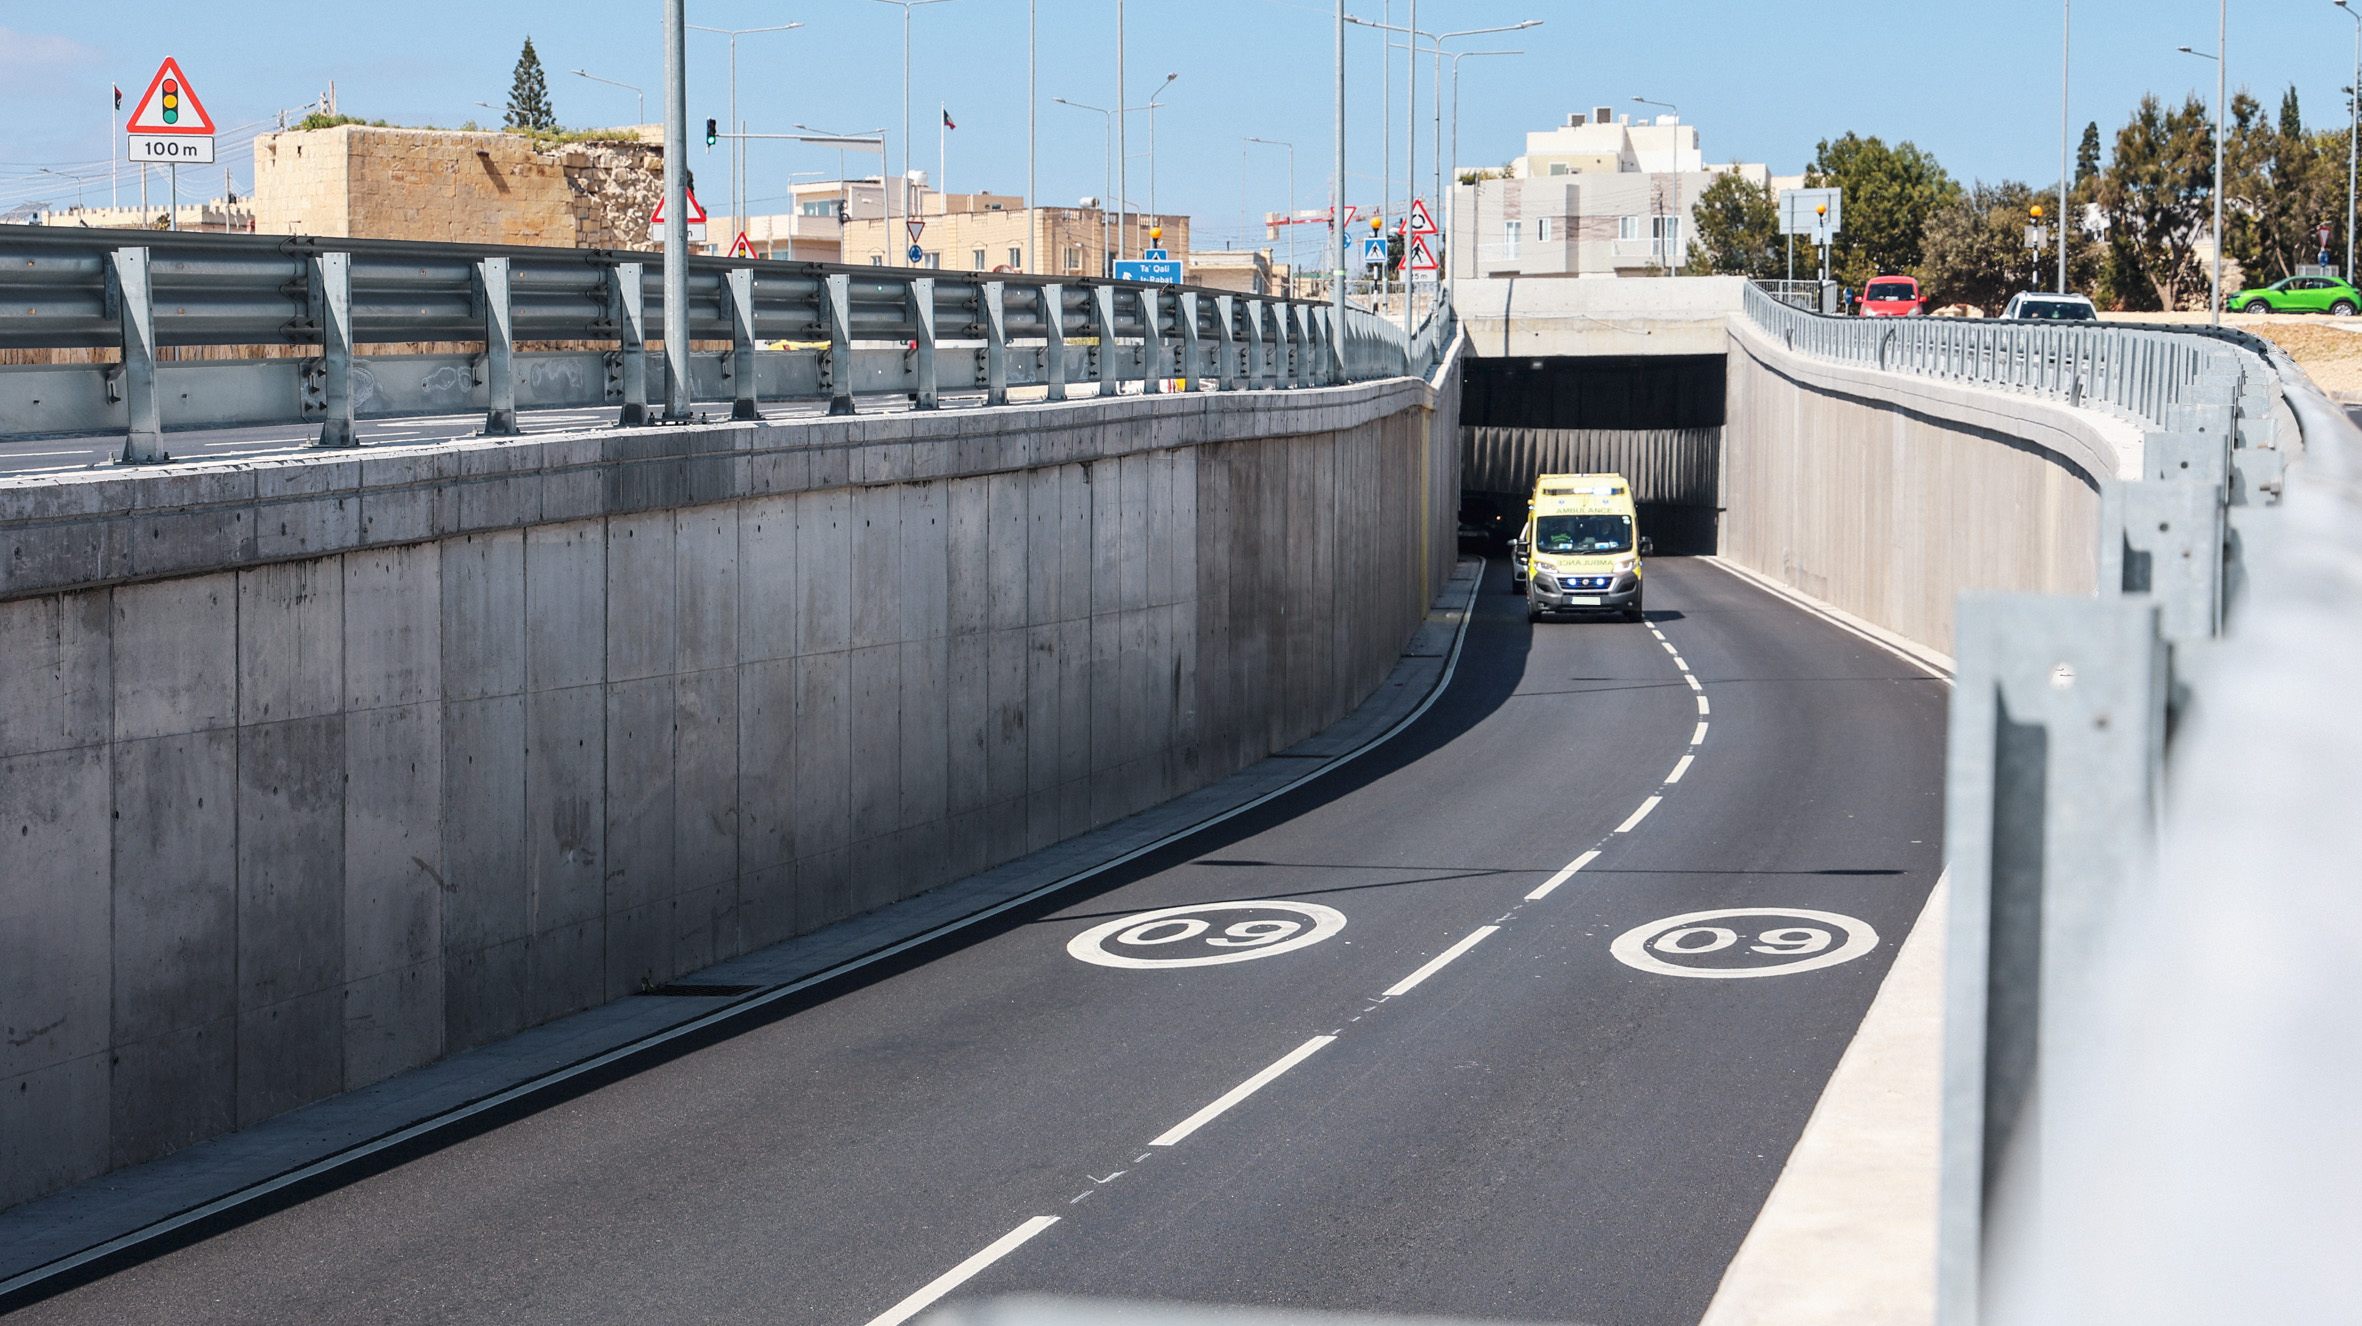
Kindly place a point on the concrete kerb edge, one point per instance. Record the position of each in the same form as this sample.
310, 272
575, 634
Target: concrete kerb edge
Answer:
76, 525
1909, 650
1253, 781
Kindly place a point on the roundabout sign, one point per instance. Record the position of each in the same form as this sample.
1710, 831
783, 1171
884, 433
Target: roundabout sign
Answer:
1205, 934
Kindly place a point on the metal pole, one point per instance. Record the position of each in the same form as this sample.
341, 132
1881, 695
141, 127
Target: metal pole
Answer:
2222, 52
1033, 103
676, 212
1410, 160
943, 147
902, 183
2353, 132
174, 219
737, 146
2066, 51
1123, 117
1337, 232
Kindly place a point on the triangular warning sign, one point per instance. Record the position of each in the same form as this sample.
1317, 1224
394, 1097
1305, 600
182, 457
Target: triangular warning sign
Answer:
1422, 257
1421, 223
742, 247
171, 105
696, 210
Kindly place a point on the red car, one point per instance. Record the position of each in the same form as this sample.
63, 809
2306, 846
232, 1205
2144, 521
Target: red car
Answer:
1893, 297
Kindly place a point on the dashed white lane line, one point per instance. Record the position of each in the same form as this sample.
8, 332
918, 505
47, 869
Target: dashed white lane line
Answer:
1698, 738
1236, 1094
1438, 962
962, 1273
1679, 662
1680, 767
1639, 815
1665, 642
1702, 703
1693, 683
1562, 876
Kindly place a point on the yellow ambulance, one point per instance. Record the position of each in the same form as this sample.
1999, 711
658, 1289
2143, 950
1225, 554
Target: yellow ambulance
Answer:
1580, 549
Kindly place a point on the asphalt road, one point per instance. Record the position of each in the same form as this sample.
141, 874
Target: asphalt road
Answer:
1536, 1130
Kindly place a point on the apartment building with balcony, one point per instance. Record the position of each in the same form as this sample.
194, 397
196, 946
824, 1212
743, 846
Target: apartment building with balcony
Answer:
1598, 196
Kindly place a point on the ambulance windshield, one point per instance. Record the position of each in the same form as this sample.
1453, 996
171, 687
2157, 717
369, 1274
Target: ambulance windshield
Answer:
1577, 535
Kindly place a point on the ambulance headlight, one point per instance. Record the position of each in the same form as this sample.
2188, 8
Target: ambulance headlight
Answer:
1627, 563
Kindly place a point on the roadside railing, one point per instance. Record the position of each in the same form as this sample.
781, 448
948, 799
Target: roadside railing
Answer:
2122, 769
795, 331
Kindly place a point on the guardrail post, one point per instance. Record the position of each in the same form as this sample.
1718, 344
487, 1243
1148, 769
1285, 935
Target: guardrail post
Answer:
332, 311
839, 308
500, 337
1225, 322
1258, 359
922, 318
2056, 743
143, 439
996, 343
2164, 539
1192, 363
1152, 341
739, 288
1053, 305
1103, 313
628, 282
1290, 341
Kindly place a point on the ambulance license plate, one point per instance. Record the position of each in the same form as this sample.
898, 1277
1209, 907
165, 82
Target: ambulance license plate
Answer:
1584, 600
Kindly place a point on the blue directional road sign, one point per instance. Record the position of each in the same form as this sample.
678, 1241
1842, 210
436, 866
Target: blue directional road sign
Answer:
917, 254
1162, 271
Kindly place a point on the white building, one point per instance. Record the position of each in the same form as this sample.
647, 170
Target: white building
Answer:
1598, 196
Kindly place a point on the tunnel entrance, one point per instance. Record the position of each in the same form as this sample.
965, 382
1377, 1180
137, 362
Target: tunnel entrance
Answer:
1656, 420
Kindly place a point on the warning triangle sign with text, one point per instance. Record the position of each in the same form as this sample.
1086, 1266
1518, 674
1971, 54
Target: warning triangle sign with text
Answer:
171, 105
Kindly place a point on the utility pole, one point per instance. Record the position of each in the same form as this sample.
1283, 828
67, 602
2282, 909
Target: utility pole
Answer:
1123, 119
737, 126
2066, 47
1033, 101
676, 212
2353, 133
1338, 235
901, 184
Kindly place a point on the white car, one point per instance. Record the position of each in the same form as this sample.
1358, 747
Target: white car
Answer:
2051, 308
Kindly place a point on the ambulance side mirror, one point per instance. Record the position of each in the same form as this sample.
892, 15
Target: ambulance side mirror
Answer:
1648, 546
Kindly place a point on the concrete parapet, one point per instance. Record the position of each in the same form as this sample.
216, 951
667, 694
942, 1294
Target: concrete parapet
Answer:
1566, 315
1888, 495
325, 767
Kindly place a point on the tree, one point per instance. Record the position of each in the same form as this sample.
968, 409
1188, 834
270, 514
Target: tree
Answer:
1890, 192
1976, 248
2158, 192
2087, 154
2281, 184
1738, 226
528, 97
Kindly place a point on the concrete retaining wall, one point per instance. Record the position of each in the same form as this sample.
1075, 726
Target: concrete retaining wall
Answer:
325, 767
1888, 495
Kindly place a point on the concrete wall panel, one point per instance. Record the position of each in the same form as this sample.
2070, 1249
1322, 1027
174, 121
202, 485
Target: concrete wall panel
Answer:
291, 822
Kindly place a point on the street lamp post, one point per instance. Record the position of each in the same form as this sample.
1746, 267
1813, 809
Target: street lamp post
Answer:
1677, 236
676, 212
1153, 103
1106, 149
737, 126
1338, 238
1456, 59
1290, 287
2066, 49
902, 183
2353, 132
2221, 44
635, 91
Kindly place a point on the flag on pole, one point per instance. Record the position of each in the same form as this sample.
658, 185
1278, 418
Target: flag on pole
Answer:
947, 121
118, 98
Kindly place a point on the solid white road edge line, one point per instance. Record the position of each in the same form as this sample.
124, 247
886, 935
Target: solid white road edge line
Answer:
962, 1273
1910, 651
1237, 1094
431, 1123
1698, 738
1639, 815
1680, 767
1438, 962
1565, 874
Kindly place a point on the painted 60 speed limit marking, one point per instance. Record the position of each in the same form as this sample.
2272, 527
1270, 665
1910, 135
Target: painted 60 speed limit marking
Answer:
1206, 934
1732, 943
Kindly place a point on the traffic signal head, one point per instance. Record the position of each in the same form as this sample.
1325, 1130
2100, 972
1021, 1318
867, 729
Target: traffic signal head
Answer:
712, 134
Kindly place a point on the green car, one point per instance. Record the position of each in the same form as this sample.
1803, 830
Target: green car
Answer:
2299, 294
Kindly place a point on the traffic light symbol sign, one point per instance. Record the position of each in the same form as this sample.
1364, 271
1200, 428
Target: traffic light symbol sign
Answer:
170, 106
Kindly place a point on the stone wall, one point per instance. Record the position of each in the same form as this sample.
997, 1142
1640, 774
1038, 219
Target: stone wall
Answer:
327, 766
475, 188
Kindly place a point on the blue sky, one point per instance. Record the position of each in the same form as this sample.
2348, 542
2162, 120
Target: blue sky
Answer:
1977, 84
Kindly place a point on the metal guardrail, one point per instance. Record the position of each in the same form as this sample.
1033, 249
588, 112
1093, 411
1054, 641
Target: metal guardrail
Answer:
2113, 765
796, 331
2138, 373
